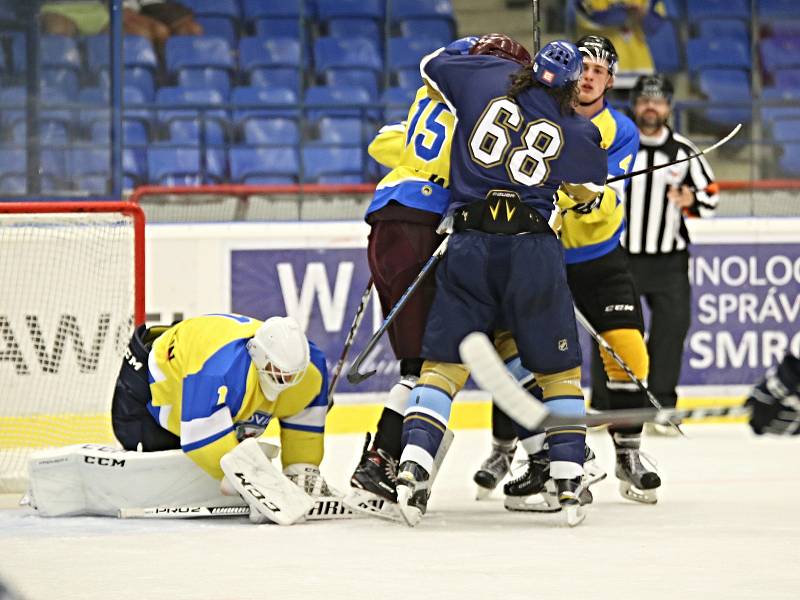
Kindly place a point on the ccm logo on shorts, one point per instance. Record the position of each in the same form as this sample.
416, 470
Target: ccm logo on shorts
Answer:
619, 308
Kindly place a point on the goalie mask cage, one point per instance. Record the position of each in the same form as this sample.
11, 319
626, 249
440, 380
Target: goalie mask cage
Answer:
71, 289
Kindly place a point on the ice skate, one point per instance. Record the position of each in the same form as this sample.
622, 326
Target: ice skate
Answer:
374, 479
494, 468
532, 483
636, 482
592, 471
412, 492
571, 494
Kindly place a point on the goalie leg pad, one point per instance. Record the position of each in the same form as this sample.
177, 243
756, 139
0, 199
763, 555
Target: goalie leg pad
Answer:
267, 491
91, 479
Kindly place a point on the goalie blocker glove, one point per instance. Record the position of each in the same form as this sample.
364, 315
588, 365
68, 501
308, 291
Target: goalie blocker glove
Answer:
775, 401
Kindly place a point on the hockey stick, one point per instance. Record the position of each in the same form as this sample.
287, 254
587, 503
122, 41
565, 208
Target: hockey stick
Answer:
536, 38
354, 376
490, 373
324, 509
623, 365
675, 162
348, 342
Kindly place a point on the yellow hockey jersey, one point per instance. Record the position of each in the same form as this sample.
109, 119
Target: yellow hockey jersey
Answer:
418, 152
205, 389
589, 236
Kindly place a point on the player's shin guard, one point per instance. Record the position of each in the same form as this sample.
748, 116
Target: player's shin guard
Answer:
622, 392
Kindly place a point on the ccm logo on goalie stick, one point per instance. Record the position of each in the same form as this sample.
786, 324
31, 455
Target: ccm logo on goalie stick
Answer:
256, 493
104, 461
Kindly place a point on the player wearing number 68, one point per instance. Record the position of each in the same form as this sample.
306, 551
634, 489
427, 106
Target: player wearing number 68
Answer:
517, 139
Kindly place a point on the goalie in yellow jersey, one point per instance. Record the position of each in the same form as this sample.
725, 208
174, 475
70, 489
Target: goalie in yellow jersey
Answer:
205, 386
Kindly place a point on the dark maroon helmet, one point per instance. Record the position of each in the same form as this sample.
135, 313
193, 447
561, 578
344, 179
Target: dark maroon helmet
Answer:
498, 44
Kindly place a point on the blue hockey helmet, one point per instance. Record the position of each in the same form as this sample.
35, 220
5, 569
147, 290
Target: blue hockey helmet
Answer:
557, 64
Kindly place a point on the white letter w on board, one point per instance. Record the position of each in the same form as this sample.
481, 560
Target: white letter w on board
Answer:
315, 284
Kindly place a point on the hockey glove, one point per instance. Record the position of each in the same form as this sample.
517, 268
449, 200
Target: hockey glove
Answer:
584, 197
775, 401
461, 46
309, 479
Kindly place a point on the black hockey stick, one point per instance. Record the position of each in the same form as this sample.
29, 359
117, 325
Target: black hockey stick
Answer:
623, 365
536, 38
675, 162
351, 335
490, 373
354, 376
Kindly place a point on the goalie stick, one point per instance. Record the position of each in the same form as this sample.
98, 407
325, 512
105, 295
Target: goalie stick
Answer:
351, 335
490, 373
324, 509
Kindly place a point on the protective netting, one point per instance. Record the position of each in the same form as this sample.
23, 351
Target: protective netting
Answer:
67, 293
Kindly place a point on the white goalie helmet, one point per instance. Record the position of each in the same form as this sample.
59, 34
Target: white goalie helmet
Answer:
280, 353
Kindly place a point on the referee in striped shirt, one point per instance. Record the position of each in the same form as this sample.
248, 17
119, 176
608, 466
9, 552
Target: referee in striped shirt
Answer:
656, 237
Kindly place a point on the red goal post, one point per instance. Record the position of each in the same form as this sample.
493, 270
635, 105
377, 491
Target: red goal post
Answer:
71, 290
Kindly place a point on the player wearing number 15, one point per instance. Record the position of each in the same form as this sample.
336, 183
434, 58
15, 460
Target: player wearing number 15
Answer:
517, 140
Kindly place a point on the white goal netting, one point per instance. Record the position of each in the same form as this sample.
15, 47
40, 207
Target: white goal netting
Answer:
68, 295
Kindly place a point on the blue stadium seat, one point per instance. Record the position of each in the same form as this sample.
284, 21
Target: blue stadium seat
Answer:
269, 77
220, 27
54, 51
409, 78
268, 102
787, 131
50, 132
198, 51
789, 28
332, 160
199, 104
421, 9
779, 53
353, 77
134, 165
134, 133
275, 131
251, 164
703, 53
734, 29
333, 9
205, 78
778, 9
65, 80
330, 52
332, 101
184, 131
786, 94
182, 165
13, 184
435, 29
397, 101
352, 27
214, 8
344, 131
665, 48
272, 52
787, 78
727, 85
85, 160
407, 52
789, 162
723, 9
137, 51
273, 27
14, 161
260, 9
138, 77
13, 102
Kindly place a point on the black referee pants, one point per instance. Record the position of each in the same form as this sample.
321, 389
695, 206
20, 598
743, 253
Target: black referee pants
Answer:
663, 282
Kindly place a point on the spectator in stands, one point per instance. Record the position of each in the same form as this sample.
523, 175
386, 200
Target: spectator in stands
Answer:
626, 24
155, 20
656, 237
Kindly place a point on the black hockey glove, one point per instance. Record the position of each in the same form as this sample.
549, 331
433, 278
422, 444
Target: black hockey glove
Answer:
775, 401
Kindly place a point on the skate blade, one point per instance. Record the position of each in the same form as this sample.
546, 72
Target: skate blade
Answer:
411, 514
629, 492
593, 473
482, 493
574, 514
371, 505
542, 503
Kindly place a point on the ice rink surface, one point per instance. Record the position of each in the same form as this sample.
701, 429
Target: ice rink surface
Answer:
726, 526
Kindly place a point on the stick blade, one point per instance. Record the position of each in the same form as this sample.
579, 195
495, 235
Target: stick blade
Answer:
488, 370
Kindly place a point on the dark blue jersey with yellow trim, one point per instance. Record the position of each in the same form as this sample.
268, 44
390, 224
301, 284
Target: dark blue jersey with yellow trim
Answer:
525, 145
589, 236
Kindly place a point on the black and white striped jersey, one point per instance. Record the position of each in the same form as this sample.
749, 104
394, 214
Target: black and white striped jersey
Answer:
656, 225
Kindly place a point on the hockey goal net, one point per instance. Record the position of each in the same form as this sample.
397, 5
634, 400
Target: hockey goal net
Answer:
71, 289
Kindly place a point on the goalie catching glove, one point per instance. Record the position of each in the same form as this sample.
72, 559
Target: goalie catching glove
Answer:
775, 401
581, 198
